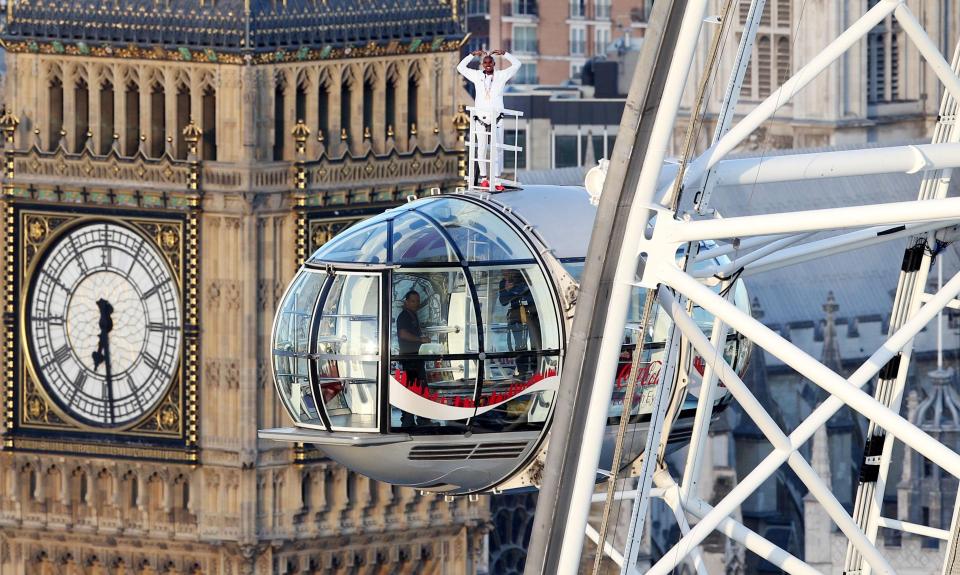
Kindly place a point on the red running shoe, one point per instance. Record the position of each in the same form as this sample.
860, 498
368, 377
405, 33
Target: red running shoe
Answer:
499, 187
485, 183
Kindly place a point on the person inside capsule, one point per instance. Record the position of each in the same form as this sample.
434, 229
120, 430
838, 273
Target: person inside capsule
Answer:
410, 337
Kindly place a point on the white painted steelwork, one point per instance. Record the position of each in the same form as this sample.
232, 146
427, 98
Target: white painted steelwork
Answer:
656, 232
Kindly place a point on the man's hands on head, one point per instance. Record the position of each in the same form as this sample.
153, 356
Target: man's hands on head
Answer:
498, 52
478, 53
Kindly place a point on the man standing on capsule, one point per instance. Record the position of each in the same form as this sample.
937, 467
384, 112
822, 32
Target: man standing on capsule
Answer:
488, 107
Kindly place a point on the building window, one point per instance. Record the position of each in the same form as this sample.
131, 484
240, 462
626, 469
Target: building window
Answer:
279, 127
524, 39
81, 100
208, 104
577, 8
565, 151
883, 61
158, 120
640, 14
524, 8
477, 43
367, 106
55, 112
477, 7
513, 161
527, 74
578, 41
413, 97
763, 66
390, 106
601, 9
107, 124
784, 69
184, 116
576, 69
601, 39
770, 64
783, 11
131, 137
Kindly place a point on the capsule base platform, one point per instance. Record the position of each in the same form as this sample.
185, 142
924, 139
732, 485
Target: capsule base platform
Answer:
317, 436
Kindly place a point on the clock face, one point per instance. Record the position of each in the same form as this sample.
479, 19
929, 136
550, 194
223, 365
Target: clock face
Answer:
103, 324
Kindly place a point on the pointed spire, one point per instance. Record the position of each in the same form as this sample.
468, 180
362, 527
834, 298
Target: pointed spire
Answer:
830, 356
590, 158
820, 454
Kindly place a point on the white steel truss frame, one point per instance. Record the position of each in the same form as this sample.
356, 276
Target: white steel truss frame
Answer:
658, 233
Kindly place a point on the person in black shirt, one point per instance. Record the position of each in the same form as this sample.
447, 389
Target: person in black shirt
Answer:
409, 338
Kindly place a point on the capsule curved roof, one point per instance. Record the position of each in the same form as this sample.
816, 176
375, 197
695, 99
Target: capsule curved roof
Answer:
465, 227
561, 215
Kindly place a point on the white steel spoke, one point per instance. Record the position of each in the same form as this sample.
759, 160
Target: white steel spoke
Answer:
841, 164
746, 260
812, 220
753, 244
734, 247
838, 244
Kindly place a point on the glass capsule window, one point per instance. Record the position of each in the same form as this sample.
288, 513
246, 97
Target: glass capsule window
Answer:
291, 347
348, 351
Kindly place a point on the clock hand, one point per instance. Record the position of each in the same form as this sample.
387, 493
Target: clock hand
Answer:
102, 354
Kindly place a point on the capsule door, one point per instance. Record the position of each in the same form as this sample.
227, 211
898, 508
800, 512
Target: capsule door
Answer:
347, 344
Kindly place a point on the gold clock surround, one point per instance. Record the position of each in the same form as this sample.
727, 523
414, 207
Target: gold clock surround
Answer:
169, 430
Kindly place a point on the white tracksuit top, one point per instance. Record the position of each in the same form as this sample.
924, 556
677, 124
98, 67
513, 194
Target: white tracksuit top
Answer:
489, 89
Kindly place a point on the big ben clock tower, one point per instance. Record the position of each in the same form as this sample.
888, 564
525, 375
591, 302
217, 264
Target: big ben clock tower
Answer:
167, 164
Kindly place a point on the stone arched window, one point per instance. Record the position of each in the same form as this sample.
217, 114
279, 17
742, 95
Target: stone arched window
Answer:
390, 105
158, 119
54, 109
81, 487
369, 90
346, 92
783, 60
413, 98
763, 66
183, 117
107, 125
279, 125
81, 123
131, 135
209, 126
300, 104
323, 104
306, 491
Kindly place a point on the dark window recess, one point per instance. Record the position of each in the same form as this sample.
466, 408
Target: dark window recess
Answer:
344, 111
209, 124
515, 160
279, 129
131, 137
565, 151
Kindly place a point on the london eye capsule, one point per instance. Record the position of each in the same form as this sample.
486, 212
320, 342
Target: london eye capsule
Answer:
423, 346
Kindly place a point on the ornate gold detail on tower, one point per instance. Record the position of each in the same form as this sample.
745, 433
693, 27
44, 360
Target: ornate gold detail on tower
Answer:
461, 122
300, 133
191, 135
